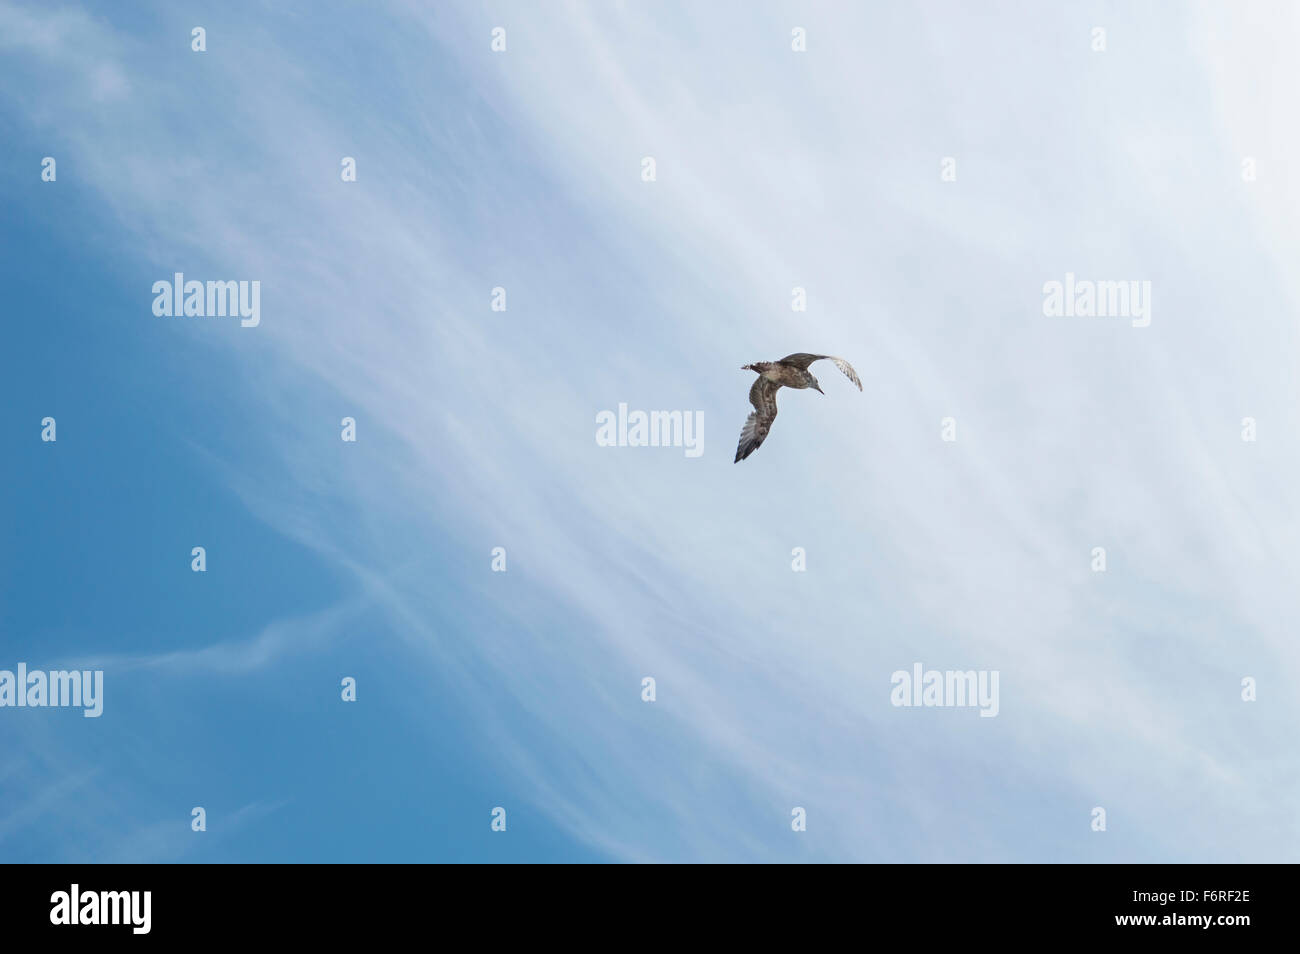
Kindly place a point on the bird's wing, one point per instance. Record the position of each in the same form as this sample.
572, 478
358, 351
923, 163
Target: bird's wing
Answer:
763, 396
847, 369
802, 360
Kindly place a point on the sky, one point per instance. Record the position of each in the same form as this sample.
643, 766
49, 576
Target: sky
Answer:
948, 516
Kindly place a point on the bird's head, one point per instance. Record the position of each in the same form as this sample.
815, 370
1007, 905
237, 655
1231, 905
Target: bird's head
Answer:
817, 387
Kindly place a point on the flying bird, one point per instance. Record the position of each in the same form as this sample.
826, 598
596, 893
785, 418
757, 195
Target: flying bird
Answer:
790, 372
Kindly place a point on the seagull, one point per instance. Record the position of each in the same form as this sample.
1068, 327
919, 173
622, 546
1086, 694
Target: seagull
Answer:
791, 372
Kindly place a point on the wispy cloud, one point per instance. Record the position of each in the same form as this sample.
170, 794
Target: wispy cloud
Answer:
280, 640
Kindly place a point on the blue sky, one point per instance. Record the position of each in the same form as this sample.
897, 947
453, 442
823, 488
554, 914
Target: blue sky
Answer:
522, 689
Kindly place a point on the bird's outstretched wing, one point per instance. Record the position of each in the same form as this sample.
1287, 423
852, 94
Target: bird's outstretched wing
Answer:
763, 396
802, 360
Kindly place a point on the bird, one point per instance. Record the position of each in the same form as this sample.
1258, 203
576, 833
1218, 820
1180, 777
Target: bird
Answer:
790, 372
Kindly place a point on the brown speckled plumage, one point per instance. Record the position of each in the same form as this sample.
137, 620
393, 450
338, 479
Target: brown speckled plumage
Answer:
790, 372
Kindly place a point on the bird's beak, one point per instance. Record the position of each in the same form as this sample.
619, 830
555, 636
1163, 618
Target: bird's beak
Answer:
821, 392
